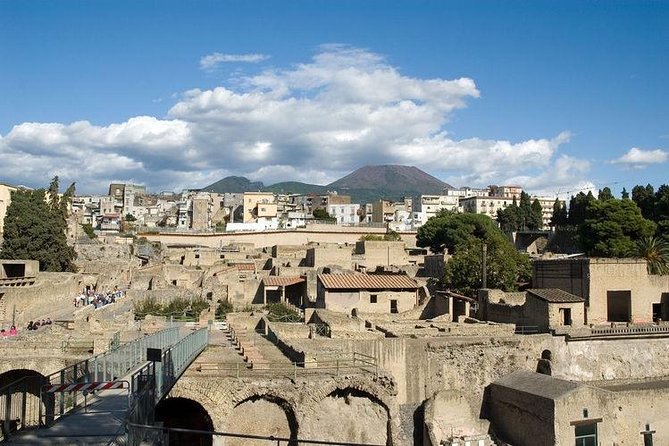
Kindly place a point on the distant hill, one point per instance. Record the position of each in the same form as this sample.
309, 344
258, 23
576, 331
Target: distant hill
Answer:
370, 183
364, 185
295, 187
234, 184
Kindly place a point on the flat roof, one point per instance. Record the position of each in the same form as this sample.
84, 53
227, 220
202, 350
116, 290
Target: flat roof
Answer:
537, 384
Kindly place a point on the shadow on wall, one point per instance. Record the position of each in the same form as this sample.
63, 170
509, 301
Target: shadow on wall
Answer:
277, 415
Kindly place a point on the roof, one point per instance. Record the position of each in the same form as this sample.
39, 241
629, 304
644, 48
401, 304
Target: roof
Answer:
532, 383
282, 280
368, 281
244, 266
554, 295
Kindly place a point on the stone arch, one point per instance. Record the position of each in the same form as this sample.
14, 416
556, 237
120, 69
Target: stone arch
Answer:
278, 416
349, 413
185, 413
26, 386
204, 395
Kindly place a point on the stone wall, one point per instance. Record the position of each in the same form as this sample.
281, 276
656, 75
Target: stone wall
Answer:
51, 292
299, 236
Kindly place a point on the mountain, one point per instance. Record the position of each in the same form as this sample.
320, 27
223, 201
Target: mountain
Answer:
364, 185
234, 184
295, 187
392, 182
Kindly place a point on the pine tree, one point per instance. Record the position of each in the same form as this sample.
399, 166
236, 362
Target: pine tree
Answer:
35, 226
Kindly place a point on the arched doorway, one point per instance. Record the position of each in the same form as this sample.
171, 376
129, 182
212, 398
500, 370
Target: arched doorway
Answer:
20, 393
185, 413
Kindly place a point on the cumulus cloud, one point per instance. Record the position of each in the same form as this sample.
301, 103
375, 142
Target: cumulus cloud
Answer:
638, 158
211, 61
312, 122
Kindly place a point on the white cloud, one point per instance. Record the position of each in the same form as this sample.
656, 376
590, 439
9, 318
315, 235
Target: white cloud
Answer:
638, 158
313, 122
211, 61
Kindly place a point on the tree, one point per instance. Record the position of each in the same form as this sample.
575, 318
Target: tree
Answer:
35, 226
509, 219
447, 230
604, 194
624, 194
656, 252
644, 197
322, 214
578, 206
129, 217
559, 217
536, 219
612, 228
505, 266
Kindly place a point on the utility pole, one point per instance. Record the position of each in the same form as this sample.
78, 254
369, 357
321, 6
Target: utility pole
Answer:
484, 273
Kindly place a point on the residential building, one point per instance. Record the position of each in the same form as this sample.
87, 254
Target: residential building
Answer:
5, 199
430, 205
485, 205
259, 205
505, 191
202, 207
346, 214
384, 211
367, 293
614, 290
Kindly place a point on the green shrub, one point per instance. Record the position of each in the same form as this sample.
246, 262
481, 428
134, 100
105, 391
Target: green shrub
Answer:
179, 308
88, 229
223, 308
280, 313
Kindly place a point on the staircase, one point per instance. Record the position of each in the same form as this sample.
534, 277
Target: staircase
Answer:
257, 351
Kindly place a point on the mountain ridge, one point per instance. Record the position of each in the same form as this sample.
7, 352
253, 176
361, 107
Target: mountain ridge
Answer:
365, 184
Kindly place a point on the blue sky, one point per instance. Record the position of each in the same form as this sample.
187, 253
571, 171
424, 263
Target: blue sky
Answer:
554, 96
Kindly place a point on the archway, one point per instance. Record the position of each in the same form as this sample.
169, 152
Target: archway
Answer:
264, 415
185, 413
349, 415
20, 392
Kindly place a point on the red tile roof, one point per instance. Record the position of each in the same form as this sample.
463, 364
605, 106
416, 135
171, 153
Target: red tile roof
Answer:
282, 280
368, 281
245, 266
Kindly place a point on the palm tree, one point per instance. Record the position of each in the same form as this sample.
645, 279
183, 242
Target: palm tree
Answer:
656, 252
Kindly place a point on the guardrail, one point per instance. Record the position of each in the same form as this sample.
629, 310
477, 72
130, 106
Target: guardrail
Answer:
355, 363
161, 435
153, 381
23, 405
629, 330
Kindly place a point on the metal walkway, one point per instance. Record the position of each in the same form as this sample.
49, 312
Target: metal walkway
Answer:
65, 412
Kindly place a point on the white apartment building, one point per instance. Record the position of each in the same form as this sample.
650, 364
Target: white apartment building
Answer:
346, 214
485, 205
430, 205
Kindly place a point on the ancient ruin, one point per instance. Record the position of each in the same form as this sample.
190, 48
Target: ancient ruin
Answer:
346, 343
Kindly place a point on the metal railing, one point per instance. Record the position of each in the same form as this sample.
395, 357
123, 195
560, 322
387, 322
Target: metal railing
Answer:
355, 363
153, 381
161, 435
23, 405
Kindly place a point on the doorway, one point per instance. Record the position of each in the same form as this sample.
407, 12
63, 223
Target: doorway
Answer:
566, 316
393, 306
619, 306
